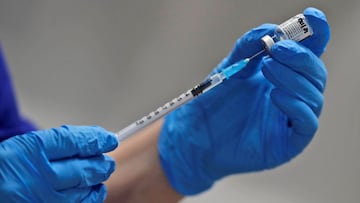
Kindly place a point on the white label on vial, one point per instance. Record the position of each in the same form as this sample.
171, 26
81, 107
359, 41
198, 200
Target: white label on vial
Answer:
296, 28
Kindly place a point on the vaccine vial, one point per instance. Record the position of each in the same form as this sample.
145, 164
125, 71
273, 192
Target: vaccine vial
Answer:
296, 28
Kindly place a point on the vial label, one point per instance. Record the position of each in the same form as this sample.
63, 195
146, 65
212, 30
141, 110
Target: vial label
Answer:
296, 28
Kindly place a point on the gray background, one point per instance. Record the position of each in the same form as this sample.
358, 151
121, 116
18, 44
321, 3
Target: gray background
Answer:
110, 62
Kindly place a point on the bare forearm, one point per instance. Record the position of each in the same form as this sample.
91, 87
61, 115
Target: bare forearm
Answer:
138, 176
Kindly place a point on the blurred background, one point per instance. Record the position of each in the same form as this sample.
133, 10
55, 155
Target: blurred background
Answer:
110, 62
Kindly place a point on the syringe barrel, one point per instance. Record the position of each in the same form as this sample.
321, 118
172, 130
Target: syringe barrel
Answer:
155, 115
296, 28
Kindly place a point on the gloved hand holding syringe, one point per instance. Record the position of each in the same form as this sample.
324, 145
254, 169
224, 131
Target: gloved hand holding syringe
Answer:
296, 28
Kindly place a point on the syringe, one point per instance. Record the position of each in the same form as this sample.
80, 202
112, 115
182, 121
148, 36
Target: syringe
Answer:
296, 28
199, 89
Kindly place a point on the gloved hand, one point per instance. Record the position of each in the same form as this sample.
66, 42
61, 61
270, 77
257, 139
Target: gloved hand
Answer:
260, 118
11, 122
63, 164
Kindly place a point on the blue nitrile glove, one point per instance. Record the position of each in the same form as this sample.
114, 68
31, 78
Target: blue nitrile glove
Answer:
11, 122
63, 164
260, 118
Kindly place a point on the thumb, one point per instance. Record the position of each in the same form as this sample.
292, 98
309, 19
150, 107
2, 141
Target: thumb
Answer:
318, 41
81, 141
246, 46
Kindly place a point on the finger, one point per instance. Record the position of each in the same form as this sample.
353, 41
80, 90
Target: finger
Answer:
303, 121
246, 46
97, 194
92, 194
285, 79
250, 43
83, 141
301, 60
71, 173
318, 22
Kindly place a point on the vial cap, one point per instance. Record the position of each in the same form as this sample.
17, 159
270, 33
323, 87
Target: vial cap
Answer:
268, 42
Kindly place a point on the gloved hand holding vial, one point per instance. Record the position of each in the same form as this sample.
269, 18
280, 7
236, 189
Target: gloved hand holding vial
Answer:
262, 113
296, 28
